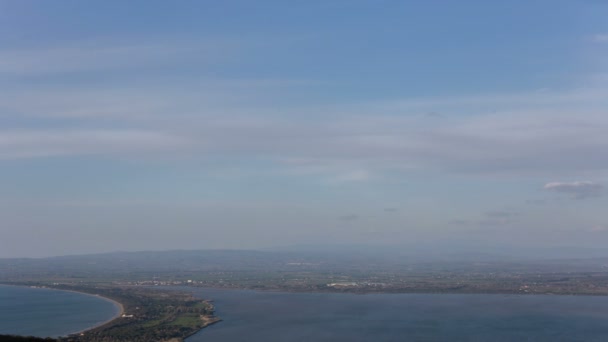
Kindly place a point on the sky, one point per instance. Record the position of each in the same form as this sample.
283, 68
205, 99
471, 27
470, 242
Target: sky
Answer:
153, 125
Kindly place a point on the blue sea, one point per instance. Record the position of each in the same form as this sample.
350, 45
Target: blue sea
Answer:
50, 313
270, 316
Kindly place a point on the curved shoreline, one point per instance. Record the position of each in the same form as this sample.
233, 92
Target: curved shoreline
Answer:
118, 305
121, 310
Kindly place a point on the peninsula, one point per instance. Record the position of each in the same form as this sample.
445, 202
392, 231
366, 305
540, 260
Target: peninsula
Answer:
145, 314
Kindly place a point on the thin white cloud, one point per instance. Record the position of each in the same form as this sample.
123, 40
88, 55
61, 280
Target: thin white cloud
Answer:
489, 218
498, 218
578, 189
499, 214
352, 176
47, 143
599, 228
350, 217
600, 38
491, 102
354, 148
101, 55
494, 222
460, 222
339, 143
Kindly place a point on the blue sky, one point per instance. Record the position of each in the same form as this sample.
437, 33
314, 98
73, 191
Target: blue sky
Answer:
237, 124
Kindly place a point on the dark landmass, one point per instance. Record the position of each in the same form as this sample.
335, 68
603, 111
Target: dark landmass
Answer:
14, 338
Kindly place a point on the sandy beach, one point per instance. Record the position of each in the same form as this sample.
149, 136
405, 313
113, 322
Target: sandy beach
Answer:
118, 305
121, 310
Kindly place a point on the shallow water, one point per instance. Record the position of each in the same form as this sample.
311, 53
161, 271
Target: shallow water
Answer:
46, 312
270, 316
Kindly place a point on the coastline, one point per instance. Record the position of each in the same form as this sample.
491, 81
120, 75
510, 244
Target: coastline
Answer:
182, 311
121, 310
363, 292
118, 305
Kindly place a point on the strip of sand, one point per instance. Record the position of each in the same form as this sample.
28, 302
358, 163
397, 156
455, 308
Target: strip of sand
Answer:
121, 310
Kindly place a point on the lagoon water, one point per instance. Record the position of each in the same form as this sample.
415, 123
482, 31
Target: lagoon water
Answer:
46, 312
269, 316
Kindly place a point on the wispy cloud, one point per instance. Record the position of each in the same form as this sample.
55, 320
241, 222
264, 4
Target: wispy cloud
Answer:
578, 189
350, 217
102, 56
352, 176
490, 218
600, 38
46, 143
536, 201
498, 218
460, 222
498, 214
535, 132
599, 228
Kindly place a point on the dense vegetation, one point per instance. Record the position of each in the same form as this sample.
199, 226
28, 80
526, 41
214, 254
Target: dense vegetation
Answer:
148, 315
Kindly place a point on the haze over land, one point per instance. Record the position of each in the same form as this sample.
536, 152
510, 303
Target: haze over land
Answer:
148, 125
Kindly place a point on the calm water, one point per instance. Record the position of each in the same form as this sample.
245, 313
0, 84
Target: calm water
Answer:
45, 312
267, 316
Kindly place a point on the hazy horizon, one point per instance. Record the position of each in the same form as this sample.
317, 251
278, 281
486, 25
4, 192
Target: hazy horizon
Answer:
155, 125
415, 253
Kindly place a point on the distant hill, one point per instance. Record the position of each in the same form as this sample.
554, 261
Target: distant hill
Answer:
183, 263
